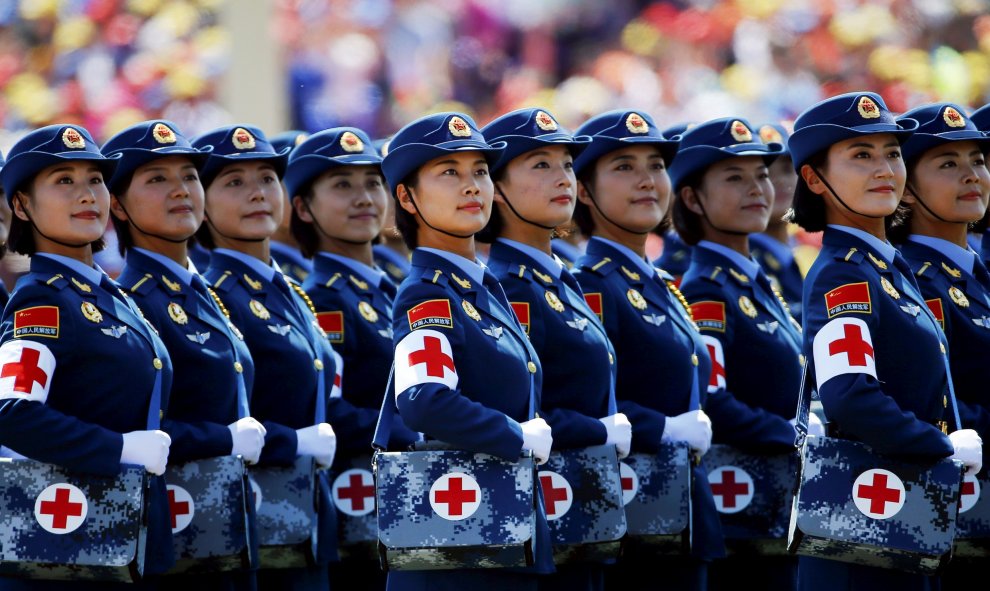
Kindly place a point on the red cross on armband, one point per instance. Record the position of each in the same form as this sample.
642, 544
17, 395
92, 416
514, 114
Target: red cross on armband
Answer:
424, 356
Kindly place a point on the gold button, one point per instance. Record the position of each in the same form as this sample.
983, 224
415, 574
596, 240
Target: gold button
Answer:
941, 347
945, 401
157, 363
531, 366
318, 364
801, 359
161, 415
238, 367
694, 359
611, 360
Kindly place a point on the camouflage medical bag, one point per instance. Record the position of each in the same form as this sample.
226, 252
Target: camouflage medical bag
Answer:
285, 500
450, 509
57, 524
753, 495
353, 491
582, 494
212, 510
656, 489
973, 522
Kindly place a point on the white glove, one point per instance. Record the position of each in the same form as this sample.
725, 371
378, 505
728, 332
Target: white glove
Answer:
318, 441
693, 427
968, 448
146, 448
619, 431
248, 436
537, 438
815, 426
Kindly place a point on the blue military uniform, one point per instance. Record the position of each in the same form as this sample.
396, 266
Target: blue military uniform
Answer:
395, 265
676, 256
565, 251
778, 262
291, 261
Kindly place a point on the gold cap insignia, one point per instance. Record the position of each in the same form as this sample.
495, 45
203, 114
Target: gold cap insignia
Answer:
242, 139
350, 142
470, 311
163, 134
90, 312
958, 297
177, 314
367, 312
259, 310
889, 288
867, 108
73, 139
636, 124
459, 127
554, 301
740, 132
545, 122
953, 118
636, 299
769, 134
747, 307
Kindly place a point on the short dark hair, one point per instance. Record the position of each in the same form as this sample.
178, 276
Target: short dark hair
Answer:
20, 240
304, 232
808, 210
686, 222
406, 222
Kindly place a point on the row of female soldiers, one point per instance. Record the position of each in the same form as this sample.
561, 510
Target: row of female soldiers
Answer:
614, 323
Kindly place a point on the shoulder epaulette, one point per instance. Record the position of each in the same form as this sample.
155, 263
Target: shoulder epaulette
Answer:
56, 282
603, 267
335, 282
714, 274
224, 284
532, 275
853, 255
143, 285
436, 276
927, 270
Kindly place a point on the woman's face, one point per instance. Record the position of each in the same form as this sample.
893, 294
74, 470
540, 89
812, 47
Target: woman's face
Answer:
348, 203
165, 198
736, 195
69, 203
453, 192
540, 185
244, 201
952, 180
866, 172
784, 181
631, 189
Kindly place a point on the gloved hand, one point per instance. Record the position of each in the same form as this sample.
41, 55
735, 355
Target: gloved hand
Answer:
248, 436
815, 426
693, 427
146, 448
537, 438
968, 448
318, 441
619, 431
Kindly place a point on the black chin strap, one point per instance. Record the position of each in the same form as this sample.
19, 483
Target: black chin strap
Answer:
591, 196
516, 213
428, 224
130, 220
320, 229
233, 238
46, 236
917, 197
704, 214
836, 195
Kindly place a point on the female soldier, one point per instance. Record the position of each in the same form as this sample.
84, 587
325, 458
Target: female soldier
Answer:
947, 190
624, 193
861, 295
157, 205
338, 198
535, 191
286, 250
981, 119
724, 194
5, 216
89, 369
243, 208
437, 167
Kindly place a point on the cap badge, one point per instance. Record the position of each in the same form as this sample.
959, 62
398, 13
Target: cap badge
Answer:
73, 139
953, 118
636, 124
867, 108
163, 134
740, 132
351, 143
769, 135
545, 122
242, 139
459, 127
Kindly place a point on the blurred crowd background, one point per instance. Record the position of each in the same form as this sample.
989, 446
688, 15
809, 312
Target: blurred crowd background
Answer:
377, 64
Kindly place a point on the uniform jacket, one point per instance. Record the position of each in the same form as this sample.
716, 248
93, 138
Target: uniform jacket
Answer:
291, 261
659, 355
208, 353
676, 255
755, 348
785, 276
394, 264
576, 354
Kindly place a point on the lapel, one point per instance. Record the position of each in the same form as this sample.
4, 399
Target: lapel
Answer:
324, 268
975, 290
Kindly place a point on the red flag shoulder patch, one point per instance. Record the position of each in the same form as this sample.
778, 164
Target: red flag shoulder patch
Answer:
38, 321
522, 313
430, 313
851, 297
709, 315
332, 323
935, 306
594, 301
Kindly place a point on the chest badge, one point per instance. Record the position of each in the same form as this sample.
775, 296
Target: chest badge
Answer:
90, 312
199, 337
259, 310
769, 327
911, 309
177, 314
636, 299
470, 311
280, 329
367, 312
654, 319
114, 331
747, 307
889, 288
958, 297
554, 301
494, 331
578, 324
